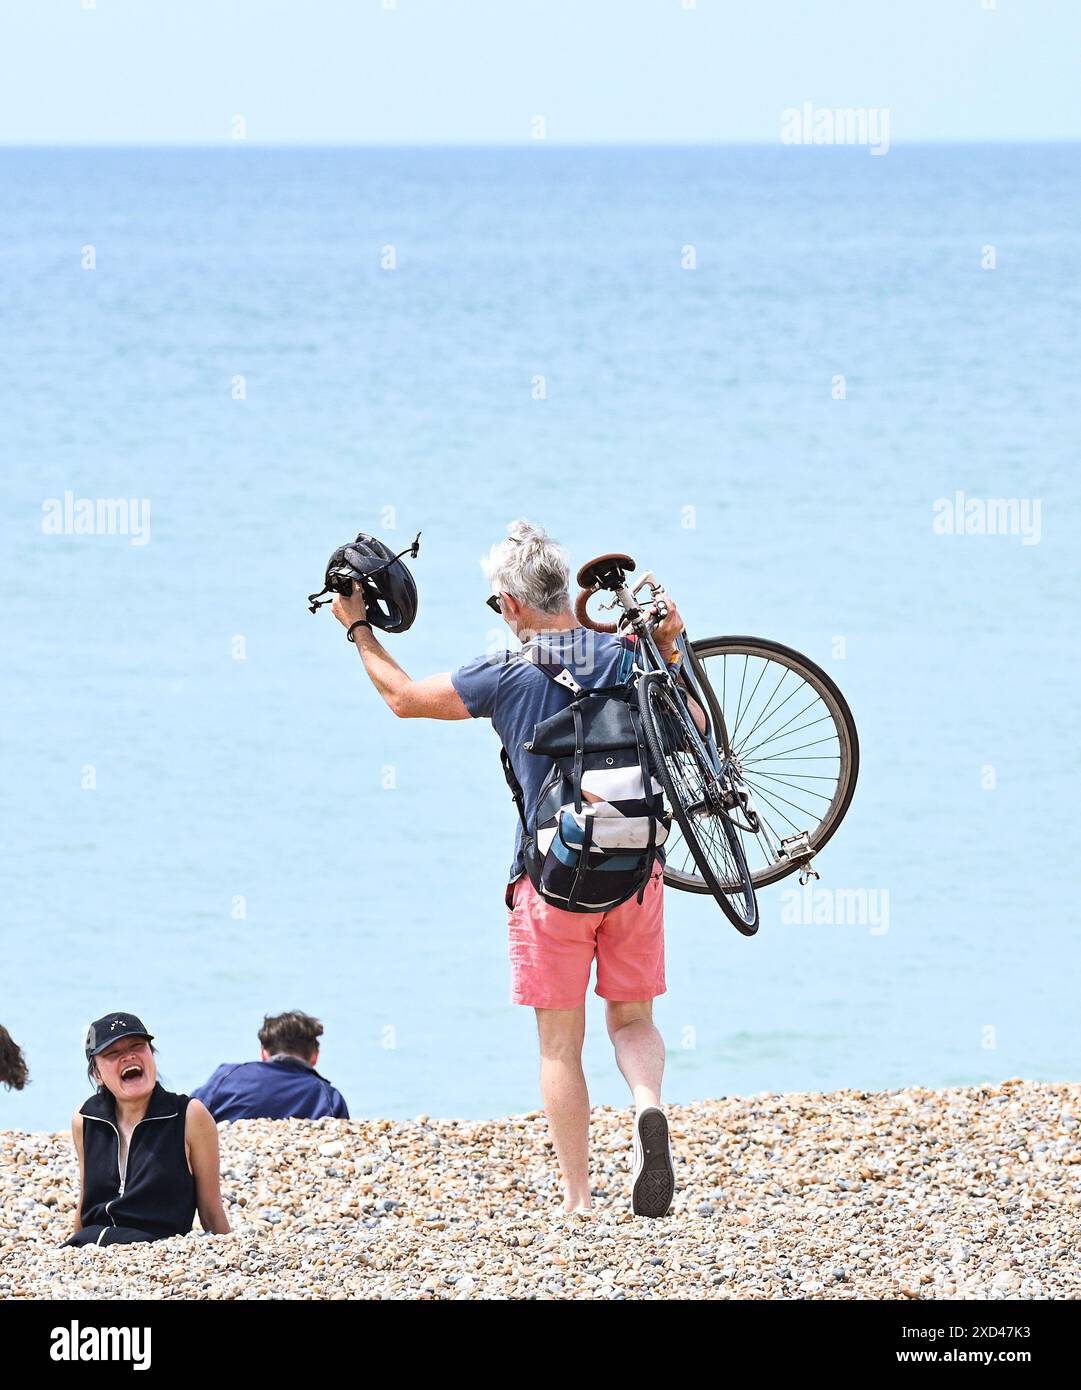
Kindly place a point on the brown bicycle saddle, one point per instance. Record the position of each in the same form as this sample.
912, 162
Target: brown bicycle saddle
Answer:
593, 571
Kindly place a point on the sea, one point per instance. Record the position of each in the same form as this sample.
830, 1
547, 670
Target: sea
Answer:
829, 398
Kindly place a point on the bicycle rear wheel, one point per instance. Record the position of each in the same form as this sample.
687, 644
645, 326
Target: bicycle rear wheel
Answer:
695, 794
793, 741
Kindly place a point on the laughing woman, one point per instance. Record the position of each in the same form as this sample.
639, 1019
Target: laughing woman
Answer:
148, 1159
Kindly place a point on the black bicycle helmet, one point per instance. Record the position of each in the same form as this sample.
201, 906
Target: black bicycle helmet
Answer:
389, 591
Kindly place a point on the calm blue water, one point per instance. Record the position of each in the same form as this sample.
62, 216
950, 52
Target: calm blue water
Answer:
410, 390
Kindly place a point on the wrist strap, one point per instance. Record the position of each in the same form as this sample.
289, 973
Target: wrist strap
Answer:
360, 622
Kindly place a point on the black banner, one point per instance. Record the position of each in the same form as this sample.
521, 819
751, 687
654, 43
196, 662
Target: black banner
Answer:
277, 1335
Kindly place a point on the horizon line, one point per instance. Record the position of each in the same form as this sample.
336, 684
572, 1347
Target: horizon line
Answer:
776, 142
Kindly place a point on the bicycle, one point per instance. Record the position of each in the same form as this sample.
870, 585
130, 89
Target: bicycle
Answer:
718, 780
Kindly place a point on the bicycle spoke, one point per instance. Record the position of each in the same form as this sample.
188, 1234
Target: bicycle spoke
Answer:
784, 730
797, 748
810, 791
739, 701
779, 812
785, 719
758, 839
801, 809
750, 697
765, 709
767, 848
810, 758
781, 706
804, 776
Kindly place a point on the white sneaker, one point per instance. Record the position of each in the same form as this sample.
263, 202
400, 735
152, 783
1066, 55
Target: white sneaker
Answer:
654, 1178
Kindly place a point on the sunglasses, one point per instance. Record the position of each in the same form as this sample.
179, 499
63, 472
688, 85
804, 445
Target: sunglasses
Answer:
495, 603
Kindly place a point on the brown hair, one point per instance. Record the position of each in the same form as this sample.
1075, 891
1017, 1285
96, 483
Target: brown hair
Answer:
14, 1073
295, 1033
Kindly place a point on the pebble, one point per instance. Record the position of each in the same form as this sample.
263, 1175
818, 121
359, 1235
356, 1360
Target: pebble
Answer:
967, 1193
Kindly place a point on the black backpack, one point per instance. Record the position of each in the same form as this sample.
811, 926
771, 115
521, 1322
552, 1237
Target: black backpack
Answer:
600, 816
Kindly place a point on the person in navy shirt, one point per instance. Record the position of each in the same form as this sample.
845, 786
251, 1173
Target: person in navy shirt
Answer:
283, 1085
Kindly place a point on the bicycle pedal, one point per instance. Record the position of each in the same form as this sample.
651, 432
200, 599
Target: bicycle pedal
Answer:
796, 847
797, 850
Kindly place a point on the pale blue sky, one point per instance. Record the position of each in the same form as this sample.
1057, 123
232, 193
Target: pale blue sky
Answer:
477, 71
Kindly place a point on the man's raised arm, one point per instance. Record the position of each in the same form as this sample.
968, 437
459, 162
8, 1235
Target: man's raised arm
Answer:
434, 697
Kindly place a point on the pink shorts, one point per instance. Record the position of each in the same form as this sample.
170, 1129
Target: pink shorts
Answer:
551, 951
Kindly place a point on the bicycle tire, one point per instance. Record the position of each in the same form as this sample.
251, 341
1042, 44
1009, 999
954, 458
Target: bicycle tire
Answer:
845, 725
738, 904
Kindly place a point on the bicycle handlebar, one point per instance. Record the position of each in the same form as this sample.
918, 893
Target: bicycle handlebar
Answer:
582, 614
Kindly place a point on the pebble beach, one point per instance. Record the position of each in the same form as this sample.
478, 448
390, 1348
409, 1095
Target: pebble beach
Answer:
968, 1193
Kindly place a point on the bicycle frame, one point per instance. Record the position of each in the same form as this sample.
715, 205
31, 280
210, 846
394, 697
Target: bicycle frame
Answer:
650, 658
726, 790
698, 686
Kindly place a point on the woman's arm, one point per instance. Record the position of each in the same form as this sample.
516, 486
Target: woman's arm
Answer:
201, 1134
77, 1140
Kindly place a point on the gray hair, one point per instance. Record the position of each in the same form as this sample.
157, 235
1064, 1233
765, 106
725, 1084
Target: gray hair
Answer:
531, 567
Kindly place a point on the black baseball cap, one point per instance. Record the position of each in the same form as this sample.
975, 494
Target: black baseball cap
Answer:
104, 1031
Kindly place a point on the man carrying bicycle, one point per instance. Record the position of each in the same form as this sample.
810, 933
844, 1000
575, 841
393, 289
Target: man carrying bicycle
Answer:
552, 950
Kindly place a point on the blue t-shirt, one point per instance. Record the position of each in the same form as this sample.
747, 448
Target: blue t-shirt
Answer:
509, 690
283, 1088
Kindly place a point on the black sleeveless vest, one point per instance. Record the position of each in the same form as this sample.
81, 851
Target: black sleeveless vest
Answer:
157, 1194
